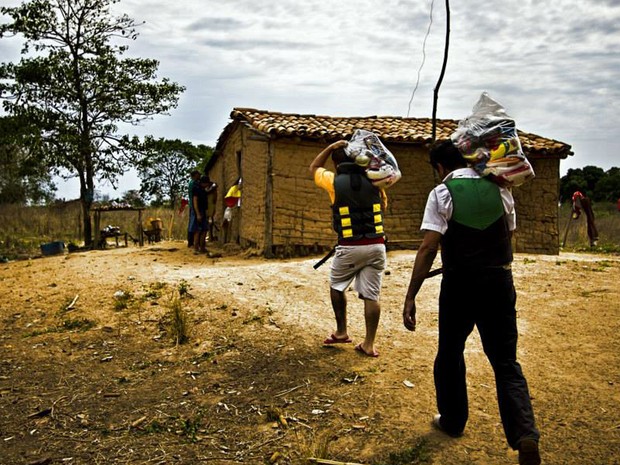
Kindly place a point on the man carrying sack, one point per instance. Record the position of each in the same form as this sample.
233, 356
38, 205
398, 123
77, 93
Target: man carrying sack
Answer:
473, 219
357, 216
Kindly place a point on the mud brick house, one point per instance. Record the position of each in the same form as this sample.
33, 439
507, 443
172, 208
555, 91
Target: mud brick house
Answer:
283, 213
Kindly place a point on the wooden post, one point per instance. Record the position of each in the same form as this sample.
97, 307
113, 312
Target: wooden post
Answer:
269, 202
97, 228
141, 233
570, 218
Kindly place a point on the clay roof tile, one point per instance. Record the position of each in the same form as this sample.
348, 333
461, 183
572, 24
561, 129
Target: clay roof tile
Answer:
388, 128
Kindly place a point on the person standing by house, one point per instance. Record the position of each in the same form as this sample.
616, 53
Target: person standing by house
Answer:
199, 202
357, 217
581, 202
211, 191
473, 219
194, 176
232, 201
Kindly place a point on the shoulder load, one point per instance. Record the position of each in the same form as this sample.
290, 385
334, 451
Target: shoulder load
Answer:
366, 150
489, 141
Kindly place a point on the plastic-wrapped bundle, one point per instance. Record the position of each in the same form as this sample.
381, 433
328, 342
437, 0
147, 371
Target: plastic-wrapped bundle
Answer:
367, 150
488, 140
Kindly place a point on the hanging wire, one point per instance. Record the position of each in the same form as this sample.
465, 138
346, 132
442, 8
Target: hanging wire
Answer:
428, 31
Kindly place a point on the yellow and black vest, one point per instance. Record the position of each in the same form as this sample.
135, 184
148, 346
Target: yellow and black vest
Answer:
477, 235
357, 207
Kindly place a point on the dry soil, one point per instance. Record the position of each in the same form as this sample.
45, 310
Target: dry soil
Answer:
90, 373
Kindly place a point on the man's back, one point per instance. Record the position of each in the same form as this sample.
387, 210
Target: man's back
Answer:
477, 234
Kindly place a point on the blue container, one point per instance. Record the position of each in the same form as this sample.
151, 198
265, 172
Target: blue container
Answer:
53, 248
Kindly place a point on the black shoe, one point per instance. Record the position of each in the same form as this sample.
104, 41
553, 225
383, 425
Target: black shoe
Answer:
437, 424
528, 452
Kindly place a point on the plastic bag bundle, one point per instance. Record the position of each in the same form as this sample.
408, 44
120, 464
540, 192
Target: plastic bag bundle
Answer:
367, 150
488, 140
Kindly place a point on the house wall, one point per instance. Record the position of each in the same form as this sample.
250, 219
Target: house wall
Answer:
283, 213
407, 198
301, 213
225, 172
536, 203
244, 155
301, 210
254, 159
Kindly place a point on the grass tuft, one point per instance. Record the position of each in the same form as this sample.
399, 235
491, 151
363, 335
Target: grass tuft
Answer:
419, 453
178, 325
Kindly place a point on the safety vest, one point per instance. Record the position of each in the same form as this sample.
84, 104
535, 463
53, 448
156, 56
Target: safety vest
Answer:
478, 234
357, 206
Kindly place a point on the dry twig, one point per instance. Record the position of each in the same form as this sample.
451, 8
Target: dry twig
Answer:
331, 462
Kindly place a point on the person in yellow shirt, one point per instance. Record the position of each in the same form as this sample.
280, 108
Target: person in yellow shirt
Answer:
357, 218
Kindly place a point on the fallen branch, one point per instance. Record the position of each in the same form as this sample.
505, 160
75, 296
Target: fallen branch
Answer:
264, 443
331, 462
41, 413
42, 461
138, 422
290, 390
70, 306
54, 404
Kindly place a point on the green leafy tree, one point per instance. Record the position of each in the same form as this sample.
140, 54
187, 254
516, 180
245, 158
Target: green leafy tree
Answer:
133, 197
608, 187
572, 181
165, 165
24, 177
73, 81
592, 181
592, 175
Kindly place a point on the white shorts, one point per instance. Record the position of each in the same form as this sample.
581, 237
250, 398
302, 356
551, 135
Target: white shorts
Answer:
365, 263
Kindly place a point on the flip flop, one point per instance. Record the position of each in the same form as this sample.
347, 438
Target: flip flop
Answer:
359, 348
334, 340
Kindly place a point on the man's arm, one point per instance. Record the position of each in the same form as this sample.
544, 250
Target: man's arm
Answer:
322, 157
422, 265
384, 200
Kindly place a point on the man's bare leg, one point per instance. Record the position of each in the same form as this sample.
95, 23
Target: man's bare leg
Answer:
372, 312
339, 304
197, 241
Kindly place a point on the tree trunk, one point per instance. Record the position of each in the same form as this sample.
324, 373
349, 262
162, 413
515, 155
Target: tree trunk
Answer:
87, 193
86, 200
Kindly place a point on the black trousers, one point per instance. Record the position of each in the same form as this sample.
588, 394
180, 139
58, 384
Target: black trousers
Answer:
485, 298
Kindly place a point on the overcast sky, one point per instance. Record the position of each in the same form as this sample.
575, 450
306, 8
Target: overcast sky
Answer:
555, 66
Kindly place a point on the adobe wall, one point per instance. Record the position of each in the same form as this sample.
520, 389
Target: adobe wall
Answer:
254, 157
302, 214
536, 203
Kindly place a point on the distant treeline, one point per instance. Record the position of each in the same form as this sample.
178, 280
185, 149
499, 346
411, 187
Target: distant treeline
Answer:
594, 182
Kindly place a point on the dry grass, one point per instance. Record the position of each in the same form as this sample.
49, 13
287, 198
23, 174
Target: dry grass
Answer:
178, 321
24, 229
607, 219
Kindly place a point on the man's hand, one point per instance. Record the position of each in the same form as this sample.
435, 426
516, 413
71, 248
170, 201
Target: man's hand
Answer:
338, 144
409, 312
322, 157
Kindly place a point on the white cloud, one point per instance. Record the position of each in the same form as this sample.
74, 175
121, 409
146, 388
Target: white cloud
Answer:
553, 65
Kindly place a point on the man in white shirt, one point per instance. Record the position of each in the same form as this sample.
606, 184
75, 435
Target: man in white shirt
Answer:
473, 219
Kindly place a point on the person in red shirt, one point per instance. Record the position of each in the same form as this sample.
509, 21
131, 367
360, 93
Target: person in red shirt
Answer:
581, 202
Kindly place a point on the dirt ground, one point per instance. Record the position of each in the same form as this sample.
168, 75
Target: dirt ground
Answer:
89, 373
